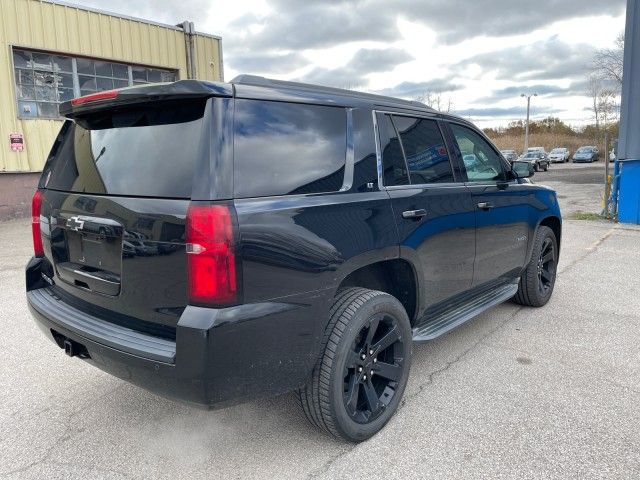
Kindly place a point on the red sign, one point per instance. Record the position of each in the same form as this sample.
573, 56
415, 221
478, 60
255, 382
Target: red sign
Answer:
16, 141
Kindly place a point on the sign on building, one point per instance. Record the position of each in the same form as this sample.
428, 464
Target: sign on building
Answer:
16, 141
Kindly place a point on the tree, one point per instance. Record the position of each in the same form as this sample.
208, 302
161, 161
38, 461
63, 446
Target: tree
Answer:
435, 100
608, 62
608, 107
594, 90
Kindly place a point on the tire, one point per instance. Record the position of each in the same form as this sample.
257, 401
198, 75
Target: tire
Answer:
539, 277
546, 167
324, 399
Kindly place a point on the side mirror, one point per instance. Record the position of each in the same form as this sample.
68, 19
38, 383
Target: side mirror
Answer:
522, 169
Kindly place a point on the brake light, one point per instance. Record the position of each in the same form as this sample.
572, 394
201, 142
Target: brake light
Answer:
211, 262
94, 97
36, 204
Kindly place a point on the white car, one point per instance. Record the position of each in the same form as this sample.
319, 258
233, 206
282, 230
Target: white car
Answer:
536, 149
559, 155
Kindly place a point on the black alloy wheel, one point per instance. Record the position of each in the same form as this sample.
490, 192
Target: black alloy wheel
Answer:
539, 277
358, 382
546, 266
373, 368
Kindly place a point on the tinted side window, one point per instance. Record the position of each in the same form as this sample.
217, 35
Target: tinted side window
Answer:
425, 151
481, 162
394, 168
286, 148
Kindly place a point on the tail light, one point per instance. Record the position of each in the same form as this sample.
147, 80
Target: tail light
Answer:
36, 204
94, 97
211, 261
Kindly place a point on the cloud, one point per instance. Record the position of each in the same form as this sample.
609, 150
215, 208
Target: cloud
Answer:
320, 23
543, 60
493, 112
364, 62
267, 62
309, 25
543, 90
415, 89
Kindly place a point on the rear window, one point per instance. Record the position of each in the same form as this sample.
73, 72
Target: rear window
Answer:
149, 150
285, 148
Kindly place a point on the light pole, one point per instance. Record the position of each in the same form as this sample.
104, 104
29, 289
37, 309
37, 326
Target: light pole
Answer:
526, 127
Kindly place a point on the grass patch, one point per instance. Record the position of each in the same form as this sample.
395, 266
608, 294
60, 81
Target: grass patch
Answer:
587, 216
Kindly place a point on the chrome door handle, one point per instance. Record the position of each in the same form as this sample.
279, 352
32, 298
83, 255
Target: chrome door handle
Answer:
485, 205
414, 213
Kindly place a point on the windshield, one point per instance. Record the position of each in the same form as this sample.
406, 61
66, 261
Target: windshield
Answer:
557, 150
531, 155
139, 151
584, 150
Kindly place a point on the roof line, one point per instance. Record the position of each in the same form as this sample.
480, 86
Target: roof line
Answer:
258, 81
64, 3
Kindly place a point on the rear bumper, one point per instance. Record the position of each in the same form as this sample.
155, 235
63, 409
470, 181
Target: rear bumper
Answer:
219, 357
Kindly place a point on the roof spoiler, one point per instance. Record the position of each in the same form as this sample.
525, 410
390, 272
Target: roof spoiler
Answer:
182, 89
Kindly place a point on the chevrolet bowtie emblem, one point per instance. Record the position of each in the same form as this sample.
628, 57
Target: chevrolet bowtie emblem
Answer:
75, 224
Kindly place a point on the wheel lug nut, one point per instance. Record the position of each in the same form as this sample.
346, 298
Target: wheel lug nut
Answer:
363, 356
371, 373
359, 369
370, 352
375, 360
364, 377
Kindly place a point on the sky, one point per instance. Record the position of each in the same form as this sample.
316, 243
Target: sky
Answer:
478, 55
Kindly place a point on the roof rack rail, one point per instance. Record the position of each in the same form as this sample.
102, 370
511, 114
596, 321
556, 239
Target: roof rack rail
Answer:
259, 81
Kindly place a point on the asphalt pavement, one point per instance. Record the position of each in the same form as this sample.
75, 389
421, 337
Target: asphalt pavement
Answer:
515, 393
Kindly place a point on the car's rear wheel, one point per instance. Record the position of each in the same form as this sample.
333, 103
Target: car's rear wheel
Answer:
358, 383
546, 167
539, 278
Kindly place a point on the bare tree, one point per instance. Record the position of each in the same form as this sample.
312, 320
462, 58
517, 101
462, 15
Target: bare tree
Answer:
608, 107
607, 63
435, 100
594, 90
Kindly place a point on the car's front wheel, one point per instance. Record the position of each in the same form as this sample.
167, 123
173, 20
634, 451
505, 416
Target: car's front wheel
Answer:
358, 383
539, 277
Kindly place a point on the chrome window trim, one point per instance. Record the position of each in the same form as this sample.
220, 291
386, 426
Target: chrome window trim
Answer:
349, 163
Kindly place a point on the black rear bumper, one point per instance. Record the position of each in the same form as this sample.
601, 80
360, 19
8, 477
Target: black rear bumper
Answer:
219, 357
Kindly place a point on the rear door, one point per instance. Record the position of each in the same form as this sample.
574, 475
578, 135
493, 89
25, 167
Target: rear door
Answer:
501, 208
117, 186
432, 208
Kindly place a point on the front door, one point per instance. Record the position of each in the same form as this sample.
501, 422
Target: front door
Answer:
501, 206
432, 207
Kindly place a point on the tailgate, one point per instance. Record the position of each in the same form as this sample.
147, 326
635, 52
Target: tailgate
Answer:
116, 189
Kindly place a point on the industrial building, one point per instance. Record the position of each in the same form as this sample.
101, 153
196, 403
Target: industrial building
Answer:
52, 51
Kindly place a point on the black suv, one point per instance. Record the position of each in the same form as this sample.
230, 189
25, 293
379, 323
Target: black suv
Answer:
215, 242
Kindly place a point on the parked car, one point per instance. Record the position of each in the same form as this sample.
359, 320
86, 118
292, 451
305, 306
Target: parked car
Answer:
612, 155
299, 264
586, 154
538, 159
559, 155
509, 155
536, 149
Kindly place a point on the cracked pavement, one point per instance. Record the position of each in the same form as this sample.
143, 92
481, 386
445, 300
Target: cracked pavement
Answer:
515, 393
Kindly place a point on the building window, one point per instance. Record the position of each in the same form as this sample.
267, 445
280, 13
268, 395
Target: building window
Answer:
44, 80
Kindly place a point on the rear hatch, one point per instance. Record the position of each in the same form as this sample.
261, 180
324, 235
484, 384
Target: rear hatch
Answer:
117, 186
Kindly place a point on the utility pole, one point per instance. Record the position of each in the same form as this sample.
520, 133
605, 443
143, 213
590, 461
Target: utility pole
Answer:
526, 127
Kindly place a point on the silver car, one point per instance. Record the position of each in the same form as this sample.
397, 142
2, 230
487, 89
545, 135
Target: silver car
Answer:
559, 155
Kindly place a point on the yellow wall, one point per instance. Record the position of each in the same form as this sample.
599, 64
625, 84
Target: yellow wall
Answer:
72, 30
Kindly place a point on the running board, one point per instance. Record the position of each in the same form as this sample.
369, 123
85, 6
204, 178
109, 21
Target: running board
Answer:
450, 319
